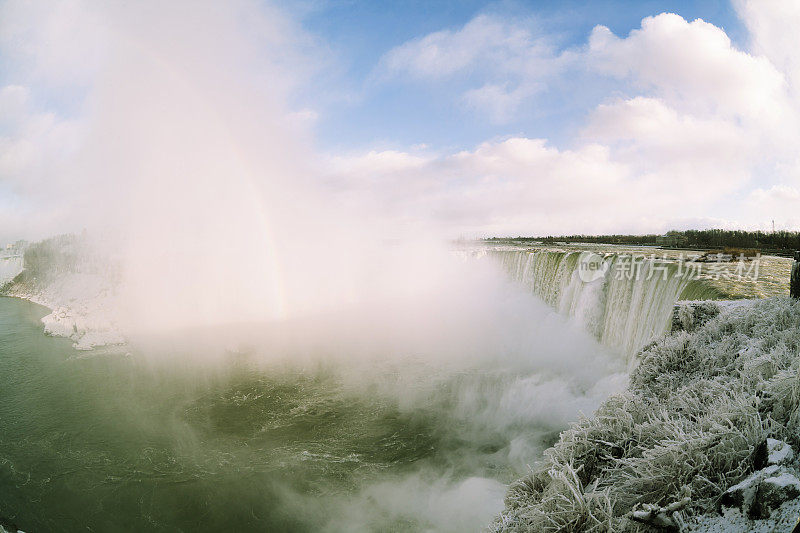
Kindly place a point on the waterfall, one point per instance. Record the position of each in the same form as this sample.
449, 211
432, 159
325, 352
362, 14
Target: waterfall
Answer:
10, 266
624, 301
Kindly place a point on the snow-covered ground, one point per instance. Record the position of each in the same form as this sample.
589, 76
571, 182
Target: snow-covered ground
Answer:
785, 518
81, 308
78, 287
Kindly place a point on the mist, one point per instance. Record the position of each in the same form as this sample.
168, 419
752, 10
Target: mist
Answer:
194, 177
191, 167
486, 372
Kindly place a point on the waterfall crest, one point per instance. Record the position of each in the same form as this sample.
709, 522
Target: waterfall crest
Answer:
624, 301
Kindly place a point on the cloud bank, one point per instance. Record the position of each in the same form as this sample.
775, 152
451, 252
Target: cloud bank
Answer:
695, 132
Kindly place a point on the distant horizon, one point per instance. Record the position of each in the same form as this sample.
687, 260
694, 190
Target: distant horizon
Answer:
770, 232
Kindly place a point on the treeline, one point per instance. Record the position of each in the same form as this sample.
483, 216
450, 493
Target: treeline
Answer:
780, 242
717, 238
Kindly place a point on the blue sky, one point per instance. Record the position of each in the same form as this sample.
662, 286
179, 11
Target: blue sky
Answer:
399, 112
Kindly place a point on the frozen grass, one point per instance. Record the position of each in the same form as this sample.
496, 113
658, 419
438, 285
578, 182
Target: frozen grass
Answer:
698, 406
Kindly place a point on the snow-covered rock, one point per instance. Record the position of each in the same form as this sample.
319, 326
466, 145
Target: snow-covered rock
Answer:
733, 521
768, 500
742, 495
6, 527
765, 490
773, 492
778, 452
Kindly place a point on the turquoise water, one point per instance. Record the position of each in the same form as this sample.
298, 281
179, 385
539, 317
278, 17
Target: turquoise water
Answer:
113, 440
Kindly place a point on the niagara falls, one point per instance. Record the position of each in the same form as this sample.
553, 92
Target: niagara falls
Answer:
451, 267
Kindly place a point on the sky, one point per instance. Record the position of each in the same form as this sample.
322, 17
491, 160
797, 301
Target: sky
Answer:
464, 119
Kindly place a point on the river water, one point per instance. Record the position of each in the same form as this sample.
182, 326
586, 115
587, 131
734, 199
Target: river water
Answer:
147, 437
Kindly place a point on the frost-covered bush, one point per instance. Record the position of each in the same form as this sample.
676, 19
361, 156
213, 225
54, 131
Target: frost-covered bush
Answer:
698, 406
52, 257
51, 261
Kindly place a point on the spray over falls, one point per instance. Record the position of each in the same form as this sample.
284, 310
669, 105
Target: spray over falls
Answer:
625, 302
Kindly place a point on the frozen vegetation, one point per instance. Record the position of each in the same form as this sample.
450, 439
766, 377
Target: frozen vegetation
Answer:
708, 407
65, 275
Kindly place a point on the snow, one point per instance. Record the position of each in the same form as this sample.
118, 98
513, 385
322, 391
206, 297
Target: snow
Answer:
9, 529
779, 452
88, 322
733, 521
750, 484
784, 479
81, 297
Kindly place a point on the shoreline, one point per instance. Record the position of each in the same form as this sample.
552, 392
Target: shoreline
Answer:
88, 327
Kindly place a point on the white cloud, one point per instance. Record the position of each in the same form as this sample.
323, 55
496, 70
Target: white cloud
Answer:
700, 124
692, 65
13, 105
779, 203
445, 53
772, 26
512, 57
501, 101
305, 116
516, 185
32, 144
694, 155
779, 193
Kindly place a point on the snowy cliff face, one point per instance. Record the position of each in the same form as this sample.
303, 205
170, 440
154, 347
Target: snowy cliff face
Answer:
699, 407
77, 285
